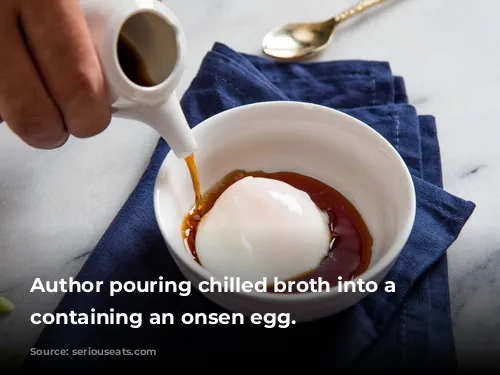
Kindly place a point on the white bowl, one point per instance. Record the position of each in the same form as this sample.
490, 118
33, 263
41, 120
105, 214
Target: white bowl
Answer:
313, 140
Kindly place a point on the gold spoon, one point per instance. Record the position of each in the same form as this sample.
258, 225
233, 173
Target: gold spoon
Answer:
297, 40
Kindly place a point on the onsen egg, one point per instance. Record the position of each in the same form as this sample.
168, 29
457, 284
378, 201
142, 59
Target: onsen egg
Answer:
262, 228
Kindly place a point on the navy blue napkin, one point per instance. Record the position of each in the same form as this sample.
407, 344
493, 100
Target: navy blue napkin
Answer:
406, 330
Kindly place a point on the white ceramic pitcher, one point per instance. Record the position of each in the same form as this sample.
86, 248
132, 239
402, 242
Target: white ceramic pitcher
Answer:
157, 36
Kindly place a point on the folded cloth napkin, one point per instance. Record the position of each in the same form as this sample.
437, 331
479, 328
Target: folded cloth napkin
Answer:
409, 329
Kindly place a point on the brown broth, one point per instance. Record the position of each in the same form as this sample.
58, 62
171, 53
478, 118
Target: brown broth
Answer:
134, 68
350, 251
132, 64
196, 183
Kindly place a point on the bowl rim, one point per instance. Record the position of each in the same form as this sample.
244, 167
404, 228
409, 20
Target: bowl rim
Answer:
381, 267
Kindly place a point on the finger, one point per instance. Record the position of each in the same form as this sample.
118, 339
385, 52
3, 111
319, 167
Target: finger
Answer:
25, 104
60, 41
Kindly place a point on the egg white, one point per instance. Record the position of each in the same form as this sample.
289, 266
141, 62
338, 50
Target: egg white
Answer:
262, 228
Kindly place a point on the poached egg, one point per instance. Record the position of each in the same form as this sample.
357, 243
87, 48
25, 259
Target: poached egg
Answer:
262, 228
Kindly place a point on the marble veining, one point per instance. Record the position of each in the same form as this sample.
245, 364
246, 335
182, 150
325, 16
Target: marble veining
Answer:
55, 206
84, 255
419, 100
473, 171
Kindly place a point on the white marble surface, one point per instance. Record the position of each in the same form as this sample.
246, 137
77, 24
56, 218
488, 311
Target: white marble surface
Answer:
55, 205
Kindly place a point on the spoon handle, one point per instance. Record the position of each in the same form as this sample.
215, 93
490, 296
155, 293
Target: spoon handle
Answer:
354, 10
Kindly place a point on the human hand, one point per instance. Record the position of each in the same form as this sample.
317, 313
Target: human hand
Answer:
51, 81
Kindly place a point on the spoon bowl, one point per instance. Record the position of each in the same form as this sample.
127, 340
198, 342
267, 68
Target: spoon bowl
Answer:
297, 40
